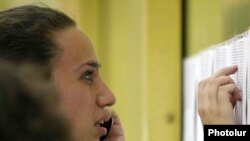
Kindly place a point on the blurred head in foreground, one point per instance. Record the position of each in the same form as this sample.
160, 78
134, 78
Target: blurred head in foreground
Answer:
29, 106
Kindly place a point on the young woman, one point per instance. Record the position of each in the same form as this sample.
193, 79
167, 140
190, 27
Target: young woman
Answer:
48, 37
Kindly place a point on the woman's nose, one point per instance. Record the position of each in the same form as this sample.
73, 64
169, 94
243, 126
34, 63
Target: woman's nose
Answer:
105, 96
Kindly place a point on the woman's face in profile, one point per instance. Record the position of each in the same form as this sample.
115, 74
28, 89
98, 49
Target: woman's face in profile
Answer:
76, 74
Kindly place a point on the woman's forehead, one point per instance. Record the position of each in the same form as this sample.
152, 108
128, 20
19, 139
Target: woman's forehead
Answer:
76, 47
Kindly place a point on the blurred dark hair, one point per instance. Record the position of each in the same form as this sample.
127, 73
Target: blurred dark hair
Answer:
30, 108
26, 34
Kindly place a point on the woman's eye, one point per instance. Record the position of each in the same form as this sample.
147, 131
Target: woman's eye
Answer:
88, 75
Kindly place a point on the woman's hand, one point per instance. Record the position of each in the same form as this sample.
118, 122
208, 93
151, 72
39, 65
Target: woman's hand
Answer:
217, 96
116, 133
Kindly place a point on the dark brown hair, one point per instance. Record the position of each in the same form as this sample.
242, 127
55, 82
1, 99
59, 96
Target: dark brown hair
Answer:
26, 34
30, 108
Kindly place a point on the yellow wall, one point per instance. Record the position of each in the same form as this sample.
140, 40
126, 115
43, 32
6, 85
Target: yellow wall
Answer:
138, 43
163, 69
213, 21
204, 24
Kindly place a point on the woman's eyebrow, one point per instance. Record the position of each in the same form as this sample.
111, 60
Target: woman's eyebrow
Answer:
92, 63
